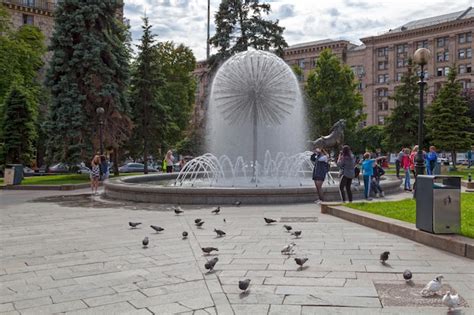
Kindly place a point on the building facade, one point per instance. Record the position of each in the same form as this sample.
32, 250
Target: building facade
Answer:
381, 60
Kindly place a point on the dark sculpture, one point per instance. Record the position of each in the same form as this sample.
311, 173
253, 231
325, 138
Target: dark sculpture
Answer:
334, 139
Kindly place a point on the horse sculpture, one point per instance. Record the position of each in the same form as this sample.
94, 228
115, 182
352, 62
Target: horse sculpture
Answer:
335, 138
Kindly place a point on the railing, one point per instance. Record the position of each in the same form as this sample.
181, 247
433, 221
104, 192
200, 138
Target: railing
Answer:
47, 5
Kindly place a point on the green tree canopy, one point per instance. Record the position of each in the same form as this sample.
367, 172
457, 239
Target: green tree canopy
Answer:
447, 121
240, 25
369, 138
89, 69
401, 128
332, 94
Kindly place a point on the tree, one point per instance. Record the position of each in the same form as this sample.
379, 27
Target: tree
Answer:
332, 95
369, 138
240, 25
89, 69
18, 126
447, 120
468, 95
401, 129
147, 110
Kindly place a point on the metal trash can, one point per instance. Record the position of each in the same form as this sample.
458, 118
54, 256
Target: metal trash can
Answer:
438, 203
13, 174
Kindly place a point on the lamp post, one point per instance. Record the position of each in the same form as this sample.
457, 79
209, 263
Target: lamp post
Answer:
421, 57
100, 112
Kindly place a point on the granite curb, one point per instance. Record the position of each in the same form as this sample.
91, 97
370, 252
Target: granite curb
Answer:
456, 244
45, 187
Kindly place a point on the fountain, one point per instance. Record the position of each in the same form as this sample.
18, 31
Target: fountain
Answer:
256, 135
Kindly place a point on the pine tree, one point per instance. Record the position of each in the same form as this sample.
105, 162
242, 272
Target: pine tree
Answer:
401, 128
89, 69
447, 119
332, 94
148, 113
18, 127
239, 25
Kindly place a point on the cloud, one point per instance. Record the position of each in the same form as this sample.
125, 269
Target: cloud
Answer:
333, 12
357, 4
285, 11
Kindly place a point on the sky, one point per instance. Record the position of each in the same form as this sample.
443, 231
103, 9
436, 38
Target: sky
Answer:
185, 21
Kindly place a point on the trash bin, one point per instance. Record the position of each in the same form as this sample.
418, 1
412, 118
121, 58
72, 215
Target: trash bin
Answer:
438, 203
13, 174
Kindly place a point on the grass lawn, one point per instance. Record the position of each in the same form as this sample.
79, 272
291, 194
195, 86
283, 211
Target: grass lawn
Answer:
60, 179
461, 170
405, 210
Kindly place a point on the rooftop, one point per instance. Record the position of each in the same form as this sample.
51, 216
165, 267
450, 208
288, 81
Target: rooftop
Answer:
314, 43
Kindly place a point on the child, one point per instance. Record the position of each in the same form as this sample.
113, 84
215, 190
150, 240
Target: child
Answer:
375, 184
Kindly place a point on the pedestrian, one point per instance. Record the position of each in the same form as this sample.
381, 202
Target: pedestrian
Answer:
432, 159
367, 172
470, 157
169, 158
413, 155
378, 172
95, 174
405, 164
321, 167
398, 162
104, 168
346, 163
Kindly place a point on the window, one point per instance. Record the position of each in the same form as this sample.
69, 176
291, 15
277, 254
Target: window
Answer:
27, 19
468, 69
465, 38
442, 42
440, 57
301, 63
468, 37
446, 56
399, 76
466, 84
383, 78
469, 53
461, 53
382, 51
462, 69
382, 106
381, 120
422, 44
446, 71
382, 92
439, 72
403, 48
383, 65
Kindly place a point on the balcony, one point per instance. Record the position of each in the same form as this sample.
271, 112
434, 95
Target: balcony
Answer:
45, 5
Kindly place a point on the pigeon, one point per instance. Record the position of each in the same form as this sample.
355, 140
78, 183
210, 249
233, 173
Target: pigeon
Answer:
145, 242
384, 257
200, 223
185, 235
432, 287
407, 275
288, 249
178, 211
296, 234
451, 300
134, 224
287, 227
300, 261
216, 210
209, 265
157, 228
197, 221
208, 250
238, 203
225, 220
219, 232
269, 221
244, 284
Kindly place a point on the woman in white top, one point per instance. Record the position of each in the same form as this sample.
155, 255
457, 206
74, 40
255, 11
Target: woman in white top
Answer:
169, 161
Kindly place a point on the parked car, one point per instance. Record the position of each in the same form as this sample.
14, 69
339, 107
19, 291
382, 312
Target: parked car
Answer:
135, 167
59, 168
84, 170
27, 171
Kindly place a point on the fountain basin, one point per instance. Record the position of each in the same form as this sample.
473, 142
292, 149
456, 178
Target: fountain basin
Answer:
139, 189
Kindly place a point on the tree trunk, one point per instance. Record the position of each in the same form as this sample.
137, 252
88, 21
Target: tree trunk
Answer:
115, 160
453, 158
145, 155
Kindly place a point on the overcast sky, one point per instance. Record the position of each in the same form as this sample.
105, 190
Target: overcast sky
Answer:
184, 21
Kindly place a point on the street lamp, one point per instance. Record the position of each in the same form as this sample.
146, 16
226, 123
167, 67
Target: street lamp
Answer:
100, 112
421, 57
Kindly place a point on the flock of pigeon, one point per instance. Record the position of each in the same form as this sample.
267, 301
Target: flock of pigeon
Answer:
432, 288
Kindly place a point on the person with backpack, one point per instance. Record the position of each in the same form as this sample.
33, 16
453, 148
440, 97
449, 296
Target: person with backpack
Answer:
346, 163
378, 172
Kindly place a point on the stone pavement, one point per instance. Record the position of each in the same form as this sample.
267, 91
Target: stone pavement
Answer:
77, 255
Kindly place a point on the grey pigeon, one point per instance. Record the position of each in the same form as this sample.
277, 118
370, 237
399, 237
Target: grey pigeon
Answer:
238, 203
384, 257
208, 250
178, 211
432, 287
296, 234
197, 220
157, 228
269, 221
216, 210
134, 224
407, 275
225, 220
145, 242
244, 284
200, 223
300, 261
288, 249
219, 232
210, 264
185, 235
287, 227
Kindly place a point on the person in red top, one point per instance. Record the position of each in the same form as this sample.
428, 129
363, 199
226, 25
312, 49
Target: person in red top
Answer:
406, 165
413, 154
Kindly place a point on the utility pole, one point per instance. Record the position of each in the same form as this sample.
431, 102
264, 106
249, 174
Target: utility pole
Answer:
208, 51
